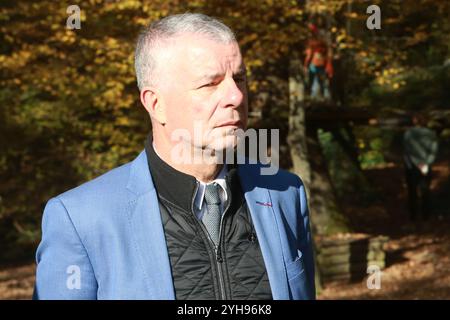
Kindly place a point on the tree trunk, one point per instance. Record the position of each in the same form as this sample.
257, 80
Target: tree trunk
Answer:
297, 127
308, 161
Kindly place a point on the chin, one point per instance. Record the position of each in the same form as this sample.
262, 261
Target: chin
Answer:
225, 142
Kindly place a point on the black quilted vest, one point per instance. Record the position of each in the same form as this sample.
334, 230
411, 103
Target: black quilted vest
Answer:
236, 270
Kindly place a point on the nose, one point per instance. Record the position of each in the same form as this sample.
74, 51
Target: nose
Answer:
232, 94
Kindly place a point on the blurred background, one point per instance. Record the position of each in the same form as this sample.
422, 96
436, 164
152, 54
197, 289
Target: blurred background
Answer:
361, 97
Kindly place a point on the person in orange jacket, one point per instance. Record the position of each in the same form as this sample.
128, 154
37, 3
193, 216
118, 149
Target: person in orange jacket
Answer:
318, 64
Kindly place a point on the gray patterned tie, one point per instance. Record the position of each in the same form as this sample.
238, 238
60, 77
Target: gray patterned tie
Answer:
211, 218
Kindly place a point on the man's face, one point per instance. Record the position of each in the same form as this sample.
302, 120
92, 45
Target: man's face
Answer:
204, 90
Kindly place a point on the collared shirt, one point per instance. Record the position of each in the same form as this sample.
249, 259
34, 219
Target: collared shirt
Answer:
199, 200
200, 196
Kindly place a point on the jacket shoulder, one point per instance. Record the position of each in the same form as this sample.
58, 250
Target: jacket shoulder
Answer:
91, 203
100, 188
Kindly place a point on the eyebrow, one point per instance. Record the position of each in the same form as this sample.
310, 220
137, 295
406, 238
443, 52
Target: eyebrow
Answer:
212, 76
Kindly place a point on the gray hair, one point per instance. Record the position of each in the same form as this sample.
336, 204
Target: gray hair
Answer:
150, 37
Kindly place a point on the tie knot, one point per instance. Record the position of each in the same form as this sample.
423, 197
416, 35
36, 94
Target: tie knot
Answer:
212, 194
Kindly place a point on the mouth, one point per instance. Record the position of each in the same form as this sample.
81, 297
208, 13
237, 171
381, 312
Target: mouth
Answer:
231, 123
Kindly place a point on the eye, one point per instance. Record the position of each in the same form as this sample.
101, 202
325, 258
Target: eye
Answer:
211, 84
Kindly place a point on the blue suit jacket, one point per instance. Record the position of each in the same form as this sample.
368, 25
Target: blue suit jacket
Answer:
105, 240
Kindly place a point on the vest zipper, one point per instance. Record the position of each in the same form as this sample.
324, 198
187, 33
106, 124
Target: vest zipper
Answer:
217, 249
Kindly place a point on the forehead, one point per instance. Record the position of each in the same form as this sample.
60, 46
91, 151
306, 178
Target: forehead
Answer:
196, 54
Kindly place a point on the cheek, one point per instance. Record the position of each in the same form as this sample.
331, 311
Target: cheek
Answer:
201, 108
196, 109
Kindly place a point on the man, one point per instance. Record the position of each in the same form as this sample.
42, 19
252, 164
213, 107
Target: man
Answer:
161, 228
420, 146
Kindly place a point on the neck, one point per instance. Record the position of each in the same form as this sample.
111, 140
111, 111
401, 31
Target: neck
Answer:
201, 169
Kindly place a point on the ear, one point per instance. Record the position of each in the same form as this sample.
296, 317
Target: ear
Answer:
154, 104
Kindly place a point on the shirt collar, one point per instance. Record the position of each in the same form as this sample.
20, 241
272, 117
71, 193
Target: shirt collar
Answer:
220, 180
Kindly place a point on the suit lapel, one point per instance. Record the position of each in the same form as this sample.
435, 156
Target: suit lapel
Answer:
147, 231
263, 216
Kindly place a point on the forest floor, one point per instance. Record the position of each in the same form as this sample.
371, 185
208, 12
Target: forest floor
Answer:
418, 254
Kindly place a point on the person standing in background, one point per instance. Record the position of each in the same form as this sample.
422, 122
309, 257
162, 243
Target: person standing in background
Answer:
420, 146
